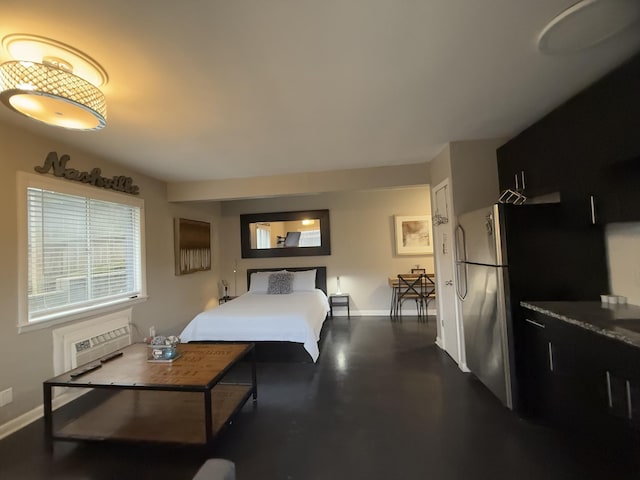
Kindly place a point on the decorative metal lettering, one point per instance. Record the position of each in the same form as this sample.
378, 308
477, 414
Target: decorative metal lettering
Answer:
59, 166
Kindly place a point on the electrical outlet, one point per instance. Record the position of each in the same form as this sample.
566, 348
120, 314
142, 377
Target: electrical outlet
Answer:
6, 397
152, 331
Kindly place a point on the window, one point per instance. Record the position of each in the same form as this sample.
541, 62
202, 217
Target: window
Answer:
310, 238
83, 249
263, 236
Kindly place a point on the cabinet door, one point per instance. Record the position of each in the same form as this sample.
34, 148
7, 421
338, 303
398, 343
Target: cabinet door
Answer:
528, 163
575, 387
618, 192
604, 159
561, 384
507, 168
618, 370
534, 368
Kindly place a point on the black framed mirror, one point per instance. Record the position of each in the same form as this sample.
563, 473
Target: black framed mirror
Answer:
285, 234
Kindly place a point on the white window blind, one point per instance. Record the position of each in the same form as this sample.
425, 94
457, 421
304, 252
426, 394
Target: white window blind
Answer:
310, 238
263, 235
82, 253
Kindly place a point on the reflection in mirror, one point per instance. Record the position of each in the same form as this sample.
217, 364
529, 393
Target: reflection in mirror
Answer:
285, 234
298, 233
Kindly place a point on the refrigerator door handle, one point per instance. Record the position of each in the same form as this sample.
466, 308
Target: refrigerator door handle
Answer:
461, 256
459, 278
461, 244
461, 295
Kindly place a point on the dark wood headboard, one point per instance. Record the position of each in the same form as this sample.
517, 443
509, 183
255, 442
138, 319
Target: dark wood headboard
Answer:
321, 274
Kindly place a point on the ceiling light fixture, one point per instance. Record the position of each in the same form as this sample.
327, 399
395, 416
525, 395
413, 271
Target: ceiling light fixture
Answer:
41, 84
587, 23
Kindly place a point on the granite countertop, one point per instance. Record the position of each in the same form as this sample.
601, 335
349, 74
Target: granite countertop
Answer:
620, 322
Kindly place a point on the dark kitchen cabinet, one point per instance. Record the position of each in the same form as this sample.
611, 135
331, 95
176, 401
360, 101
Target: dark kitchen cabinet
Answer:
527, 163
587, 150
557, 386
617, 195
577, 379
534, 367
618, 374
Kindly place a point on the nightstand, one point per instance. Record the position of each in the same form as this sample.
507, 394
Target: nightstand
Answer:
339, 300
225, 299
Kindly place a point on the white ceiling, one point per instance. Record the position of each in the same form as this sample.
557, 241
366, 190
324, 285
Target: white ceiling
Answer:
214, 89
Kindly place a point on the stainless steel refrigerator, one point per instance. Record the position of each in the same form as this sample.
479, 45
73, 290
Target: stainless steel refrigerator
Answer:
508, 253
483, 288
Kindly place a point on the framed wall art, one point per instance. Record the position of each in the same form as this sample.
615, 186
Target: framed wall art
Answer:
192, 240
413, 235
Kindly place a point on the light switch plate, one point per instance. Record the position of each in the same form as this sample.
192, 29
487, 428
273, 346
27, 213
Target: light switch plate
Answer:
6, 397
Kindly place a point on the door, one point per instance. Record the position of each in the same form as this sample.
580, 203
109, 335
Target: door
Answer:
449, 333
479, 230
484, 317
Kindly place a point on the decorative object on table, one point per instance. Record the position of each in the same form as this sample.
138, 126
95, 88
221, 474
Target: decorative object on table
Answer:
413, 235
192, 240
225, 285
338, 291
163, 349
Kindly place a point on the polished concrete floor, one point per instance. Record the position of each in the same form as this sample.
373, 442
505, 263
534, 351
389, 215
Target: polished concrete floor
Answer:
382, 403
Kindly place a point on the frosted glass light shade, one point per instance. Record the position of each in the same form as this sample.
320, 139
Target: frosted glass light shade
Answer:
52, 95
587, 23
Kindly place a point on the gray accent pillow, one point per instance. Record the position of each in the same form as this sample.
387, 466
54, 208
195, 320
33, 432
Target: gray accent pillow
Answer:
280, 283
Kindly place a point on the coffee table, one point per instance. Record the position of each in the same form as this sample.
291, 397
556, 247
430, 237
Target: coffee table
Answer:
187, 401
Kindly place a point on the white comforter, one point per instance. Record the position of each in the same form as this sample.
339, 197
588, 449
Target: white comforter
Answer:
295, 317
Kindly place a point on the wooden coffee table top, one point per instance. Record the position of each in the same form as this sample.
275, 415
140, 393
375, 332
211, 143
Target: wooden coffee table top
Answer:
199, 366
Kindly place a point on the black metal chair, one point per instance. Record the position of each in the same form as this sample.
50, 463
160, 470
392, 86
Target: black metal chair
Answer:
412, 287
430, 291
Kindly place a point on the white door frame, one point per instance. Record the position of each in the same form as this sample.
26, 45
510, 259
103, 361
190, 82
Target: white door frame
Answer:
441, 339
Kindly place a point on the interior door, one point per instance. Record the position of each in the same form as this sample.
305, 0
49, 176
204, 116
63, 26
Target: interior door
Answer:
443, 223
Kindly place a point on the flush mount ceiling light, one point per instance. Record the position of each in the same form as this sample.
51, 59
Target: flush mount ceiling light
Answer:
586, 24
53, 83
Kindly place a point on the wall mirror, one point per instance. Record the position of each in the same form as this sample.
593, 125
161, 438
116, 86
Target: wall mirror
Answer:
285, 234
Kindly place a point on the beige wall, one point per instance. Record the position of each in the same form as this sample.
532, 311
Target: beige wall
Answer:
623, 256
474, 173
173, 301
472, 169
362, 240
300, 183
440, 166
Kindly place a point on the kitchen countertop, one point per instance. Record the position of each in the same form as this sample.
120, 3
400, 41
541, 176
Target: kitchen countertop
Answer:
620, 322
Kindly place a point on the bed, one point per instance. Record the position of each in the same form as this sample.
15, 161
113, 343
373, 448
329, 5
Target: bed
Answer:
285, 326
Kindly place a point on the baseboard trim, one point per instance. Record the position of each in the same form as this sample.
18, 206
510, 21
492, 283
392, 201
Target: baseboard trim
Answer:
378, 313
439, 343
12, 426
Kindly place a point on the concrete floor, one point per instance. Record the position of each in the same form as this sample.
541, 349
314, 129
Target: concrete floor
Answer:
382, 403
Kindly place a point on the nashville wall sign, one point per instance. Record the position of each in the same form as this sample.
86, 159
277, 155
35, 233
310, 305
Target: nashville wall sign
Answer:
59, 167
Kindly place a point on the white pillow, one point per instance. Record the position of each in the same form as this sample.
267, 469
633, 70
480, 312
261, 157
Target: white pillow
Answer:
259, 282
304, 281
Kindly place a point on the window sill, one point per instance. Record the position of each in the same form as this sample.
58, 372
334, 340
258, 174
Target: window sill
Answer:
82, 315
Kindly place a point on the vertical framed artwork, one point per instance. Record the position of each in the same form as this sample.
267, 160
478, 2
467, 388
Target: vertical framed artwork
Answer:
413, 235
192, 240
